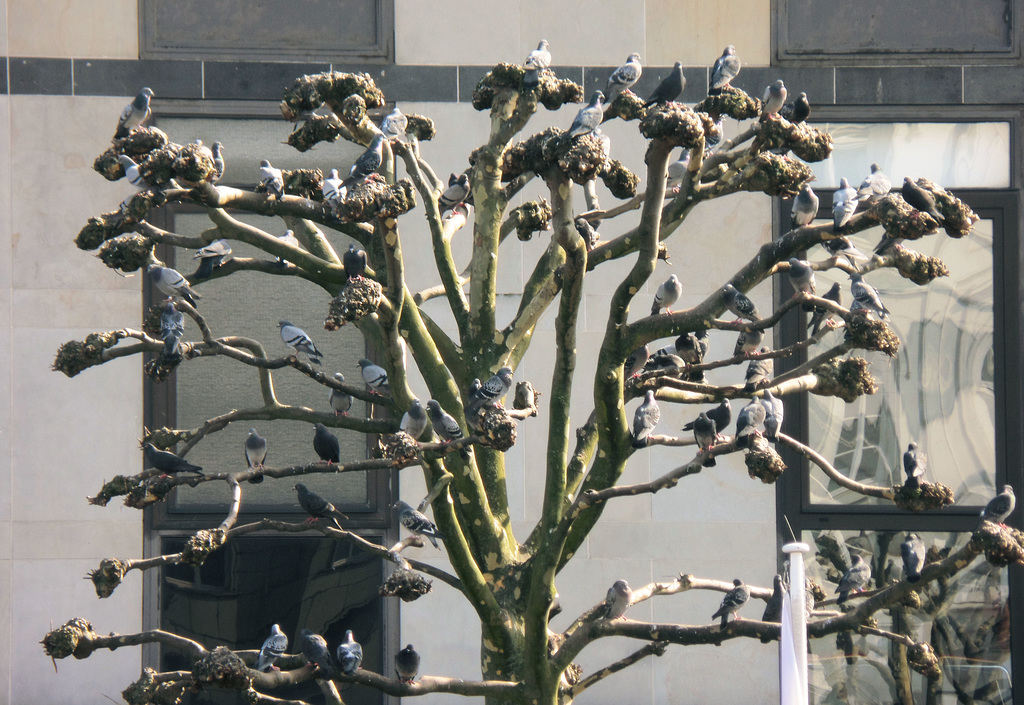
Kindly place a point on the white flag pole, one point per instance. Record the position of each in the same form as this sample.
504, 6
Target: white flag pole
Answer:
793, 644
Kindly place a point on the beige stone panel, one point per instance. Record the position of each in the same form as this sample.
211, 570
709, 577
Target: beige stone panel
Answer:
6, 547
695, 31
5, 631
721, 674
50, 308
74, 28
584, 32
446, 632
5, 194
3, 48
54, 142
48, 539
585, 581
464, 32
718, 493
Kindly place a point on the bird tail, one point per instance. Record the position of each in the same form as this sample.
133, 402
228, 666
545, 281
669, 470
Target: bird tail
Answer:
914, 577
640, 443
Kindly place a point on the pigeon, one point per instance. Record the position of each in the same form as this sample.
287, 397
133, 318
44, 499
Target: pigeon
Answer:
354, 262
417, 523
676, 173
820, 314
368, 162
692, 347
749, 421
273, 648
407, 664
375, 377
705, 432
915, 463
314, 648
414, 421
172, 321
170, 282
667, 294
636, 361
456, 218
913, 551
340, 401
496, 387
445, 425
393, 125
588, 232
874, 186
738, 302
349, 655
920, 198
721, 415
801, 275
536, 61
271, 180
218, 161
758, 371
733, 600
134, 114
288, 238
865, 296
726, 68
853, 580
645, 419
588, 117
774, 99
457, 192
326, 444
167, 462
844, 203
255, 449
317, 507
805, 207
1000, 506
748, 341
296, 338
333, 189
798, 111
617, 600
212, 256
670, 87
665, 361
171, 351
773, 610
131, 172
774, 411
842, 246
623, 77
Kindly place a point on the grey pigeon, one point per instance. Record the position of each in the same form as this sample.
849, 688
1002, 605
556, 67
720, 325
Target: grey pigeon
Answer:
317, 507
758, 371
805, 207
271, 180
636, 361
458, 215
773, 610
326, 444
219, 164
820, 314
623, 77
801, 275
474, 389
920, 198
255, 449
273, 648
349, 655
670, 87
414, 421
645, 418
750, 421
775, 411
354, 262
536, 61
333, 189
915, 464
170, 282
171, 352
167, 462
798, 111
296, 338
314, 648
393, 125
1000, 506
913, 552
457, 192
667, 294
874, 186
340, 401
445, 425
368, 162
853, 580
496, 387
417, 523
588, 232
721, 415
375, 376
748, 341
739, 303
866, 297
662, 360
212, 256
172, 321
726, 68
588, 117
705, 432
407, 664
288, 238
774, 98
617, 600
733, 600
676, 173
844, 204
132, 173
134, 114
843, 246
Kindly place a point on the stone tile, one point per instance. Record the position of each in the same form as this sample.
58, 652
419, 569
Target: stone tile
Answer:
66, 28
915, 85
602, 34
596, 78
817, 83
458, 32
3, 77
6, 545
438, 84
252, 80
49, 539
743, 23
5, 632
56, 308
3, 52
702, 497
454, 650
5, 202
39, 76
168, 79
697, 671
992, 84
6, 382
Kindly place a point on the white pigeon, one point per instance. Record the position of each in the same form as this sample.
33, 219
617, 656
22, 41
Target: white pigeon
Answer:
296, 338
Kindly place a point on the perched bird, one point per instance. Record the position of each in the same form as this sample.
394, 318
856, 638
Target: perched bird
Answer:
774, 411
667, 294
801, 275
589, 117
797, 111
739, 303
705, 432
134, 114
218, 161
750, 421
665, 361
866, 297
773, 610
273, 648
314, 648
721, 415
172, 321
844, 204
255, 449
212, 256
317, 507
414, 421
393, 125
349, 655
340, 401
417, 523
774, 99
915, 463
170, 282
588, 232
407, 664
748, 341
713, 137
645, 419
733, 600
131, 172
288, 238
271, 180
636, 361
1000, 506
354, 262
913, 552
326, 444
167, 462
820, 314
375, 377
457, 192
670, 87
692, 347
617, 600
496, 387
368, 162
874, 186
758, 371
623, 77
536, 61
843, 246
445, 425
333, 189
676, 172
726, 68
296, 338
853, 580
805, 207
456, 218
920, 198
